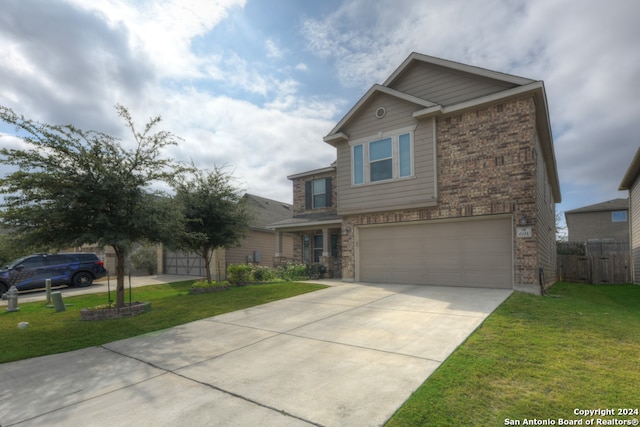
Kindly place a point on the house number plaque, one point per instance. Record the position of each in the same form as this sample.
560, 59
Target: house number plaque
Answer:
524, 232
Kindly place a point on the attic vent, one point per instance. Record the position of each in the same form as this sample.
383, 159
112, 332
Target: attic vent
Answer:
380, 112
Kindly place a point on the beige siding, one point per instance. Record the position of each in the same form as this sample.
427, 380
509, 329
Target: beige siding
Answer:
545, 222
263, 242
585, 226
398, 115
634, 215
445, 86
418, 190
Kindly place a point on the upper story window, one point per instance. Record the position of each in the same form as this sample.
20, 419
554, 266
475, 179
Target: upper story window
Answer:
318, 193
619, 216
319, 189
384, 159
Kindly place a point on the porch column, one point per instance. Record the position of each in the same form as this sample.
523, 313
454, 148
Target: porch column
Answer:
326, 243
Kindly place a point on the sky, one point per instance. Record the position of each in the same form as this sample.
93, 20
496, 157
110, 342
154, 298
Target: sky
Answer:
254, 85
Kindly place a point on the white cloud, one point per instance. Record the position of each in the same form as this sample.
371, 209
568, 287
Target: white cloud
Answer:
585, 51
164, 30
256, 142
239, 100
273, 51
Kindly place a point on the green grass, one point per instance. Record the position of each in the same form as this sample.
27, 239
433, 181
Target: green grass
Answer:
538, 358
50, 332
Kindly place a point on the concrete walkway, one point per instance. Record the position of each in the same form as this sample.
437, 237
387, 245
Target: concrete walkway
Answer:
348, 355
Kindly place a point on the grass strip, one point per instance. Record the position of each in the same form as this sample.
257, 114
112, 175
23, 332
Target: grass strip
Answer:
538, 358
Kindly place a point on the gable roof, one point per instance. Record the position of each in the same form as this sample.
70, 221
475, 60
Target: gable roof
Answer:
470, 69
514, 87
632, 173
267, 211
376, 89
610, 205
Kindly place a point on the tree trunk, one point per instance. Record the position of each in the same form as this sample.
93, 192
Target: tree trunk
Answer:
119, 276
207, 262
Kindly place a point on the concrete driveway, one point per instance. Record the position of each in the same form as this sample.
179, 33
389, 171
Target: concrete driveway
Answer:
349, 355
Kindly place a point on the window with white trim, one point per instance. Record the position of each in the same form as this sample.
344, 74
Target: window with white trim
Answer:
619, 216
318, 193
319, 189
385, 159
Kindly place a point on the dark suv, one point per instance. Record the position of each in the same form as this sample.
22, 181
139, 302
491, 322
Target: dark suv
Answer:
31, 272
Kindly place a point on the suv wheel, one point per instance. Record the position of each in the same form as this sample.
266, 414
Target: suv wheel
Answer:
3, 288
82, 279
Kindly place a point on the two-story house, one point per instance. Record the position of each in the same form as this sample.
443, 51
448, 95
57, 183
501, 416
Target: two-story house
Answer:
602, 221
445, 175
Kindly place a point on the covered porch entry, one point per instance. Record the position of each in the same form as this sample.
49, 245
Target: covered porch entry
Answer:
317, 240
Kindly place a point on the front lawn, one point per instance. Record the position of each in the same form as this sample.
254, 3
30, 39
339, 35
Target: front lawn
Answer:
50, 332
539, 359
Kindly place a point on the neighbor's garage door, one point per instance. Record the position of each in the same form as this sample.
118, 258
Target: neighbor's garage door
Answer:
461, 253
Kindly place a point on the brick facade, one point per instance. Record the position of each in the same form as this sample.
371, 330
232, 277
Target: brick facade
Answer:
299, 194
333, 264
486, 165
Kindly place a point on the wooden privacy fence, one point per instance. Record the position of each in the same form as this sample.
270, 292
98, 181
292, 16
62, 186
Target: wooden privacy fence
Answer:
596, 269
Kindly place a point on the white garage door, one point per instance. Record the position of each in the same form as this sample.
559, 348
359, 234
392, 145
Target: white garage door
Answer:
461, 253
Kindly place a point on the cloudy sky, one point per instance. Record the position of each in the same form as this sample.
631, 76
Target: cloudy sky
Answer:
256, 84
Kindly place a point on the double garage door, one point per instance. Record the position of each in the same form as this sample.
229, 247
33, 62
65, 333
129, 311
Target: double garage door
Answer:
461, 253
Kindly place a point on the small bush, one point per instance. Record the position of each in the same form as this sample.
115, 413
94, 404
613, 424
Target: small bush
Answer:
202, 284
316, 270
293, 271
263, 273
240, 273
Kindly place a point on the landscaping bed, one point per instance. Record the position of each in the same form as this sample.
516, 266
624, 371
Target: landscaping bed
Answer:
129, 310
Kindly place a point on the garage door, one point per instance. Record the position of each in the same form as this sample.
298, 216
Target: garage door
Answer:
183, 263
462, 253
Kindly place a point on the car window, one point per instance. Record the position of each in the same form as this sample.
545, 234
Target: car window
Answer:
16, 262
33, 262
56, 259
80, 257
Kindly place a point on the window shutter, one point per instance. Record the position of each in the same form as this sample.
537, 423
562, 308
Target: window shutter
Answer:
329, 192
308, 195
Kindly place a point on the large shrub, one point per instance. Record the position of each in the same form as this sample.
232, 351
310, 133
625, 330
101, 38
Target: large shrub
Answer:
240, 273
263, 273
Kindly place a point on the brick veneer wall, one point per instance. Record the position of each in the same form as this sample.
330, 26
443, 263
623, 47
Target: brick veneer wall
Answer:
299, 206
486, 166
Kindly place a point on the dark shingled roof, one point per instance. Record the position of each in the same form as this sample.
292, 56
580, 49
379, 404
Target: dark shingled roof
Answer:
267, 211
611, 205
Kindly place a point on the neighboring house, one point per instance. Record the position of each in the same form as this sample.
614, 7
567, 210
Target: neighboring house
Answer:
606, 221
445, 175
631, 182
257, 247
